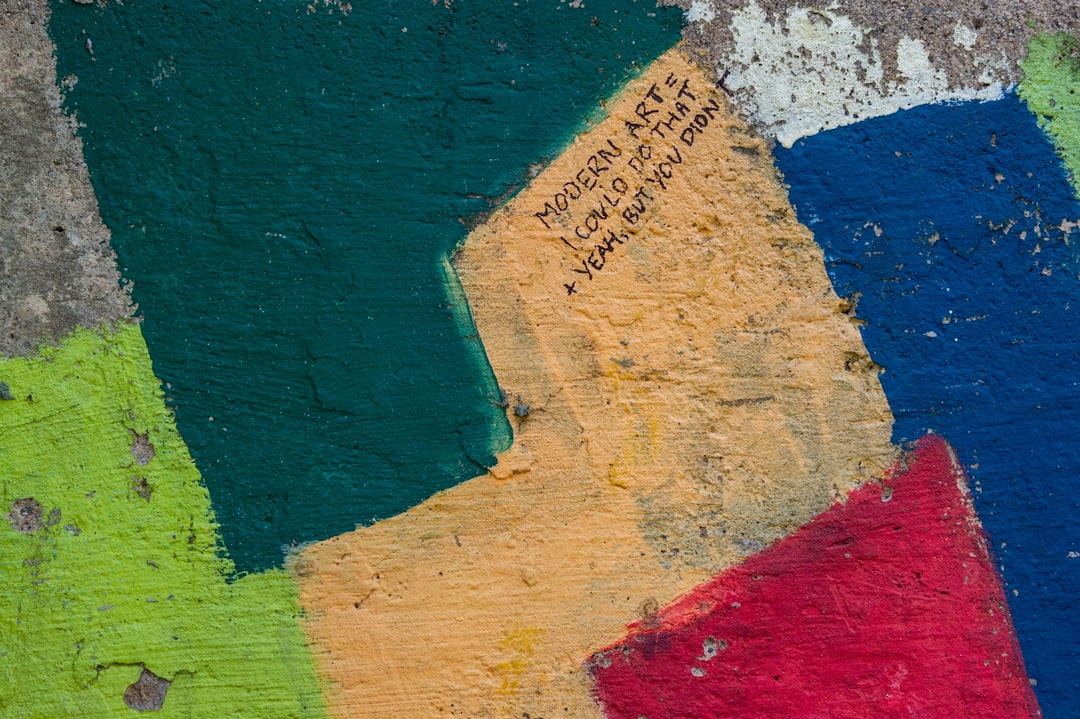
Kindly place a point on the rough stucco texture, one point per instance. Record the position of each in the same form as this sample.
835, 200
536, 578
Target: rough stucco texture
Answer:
796, 67
684, 386
876, 608
57, 267
954, 231
109, 557
1051, 88
988, 30
694, 391
283, 186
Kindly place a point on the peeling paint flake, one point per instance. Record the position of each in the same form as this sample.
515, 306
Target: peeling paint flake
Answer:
810, 70
700, 11
964, 36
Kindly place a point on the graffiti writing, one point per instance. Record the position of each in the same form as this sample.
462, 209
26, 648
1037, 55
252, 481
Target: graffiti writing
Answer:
597, 208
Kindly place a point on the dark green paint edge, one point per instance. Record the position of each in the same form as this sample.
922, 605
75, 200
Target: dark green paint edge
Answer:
283, 189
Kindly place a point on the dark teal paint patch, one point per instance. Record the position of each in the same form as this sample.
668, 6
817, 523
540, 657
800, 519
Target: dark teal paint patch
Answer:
282, 188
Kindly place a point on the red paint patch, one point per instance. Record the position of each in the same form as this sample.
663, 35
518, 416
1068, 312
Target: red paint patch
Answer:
886, 606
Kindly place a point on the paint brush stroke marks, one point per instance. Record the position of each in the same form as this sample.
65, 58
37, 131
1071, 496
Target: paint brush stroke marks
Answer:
953, 227
282, 187
112, 592
889, 601
701, 396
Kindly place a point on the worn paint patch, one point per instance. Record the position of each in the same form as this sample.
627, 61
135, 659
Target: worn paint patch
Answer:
283, 187
801, 66
56, 266
889, 601
685, 389
954, 232
813, 69
1051, 89
115, 598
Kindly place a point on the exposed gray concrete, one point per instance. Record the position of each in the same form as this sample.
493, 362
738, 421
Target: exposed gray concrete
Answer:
785, 60
57, 270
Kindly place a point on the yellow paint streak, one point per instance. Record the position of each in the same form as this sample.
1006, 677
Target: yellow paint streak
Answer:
702, 396
521, 644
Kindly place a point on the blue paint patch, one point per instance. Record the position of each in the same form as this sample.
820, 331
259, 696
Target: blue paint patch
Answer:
945, 224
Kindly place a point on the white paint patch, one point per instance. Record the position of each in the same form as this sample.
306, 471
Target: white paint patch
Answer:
700, 11
964, 36
913, 63
815, 69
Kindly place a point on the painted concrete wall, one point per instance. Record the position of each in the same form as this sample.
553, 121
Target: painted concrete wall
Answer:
589, 358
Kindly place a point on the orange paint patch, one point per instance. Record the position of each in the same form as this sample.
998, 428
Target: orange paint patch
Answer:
694, 392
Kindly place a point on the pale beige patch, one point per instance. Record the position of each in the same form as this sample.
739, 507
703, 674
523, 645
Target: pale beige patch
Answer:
700, 397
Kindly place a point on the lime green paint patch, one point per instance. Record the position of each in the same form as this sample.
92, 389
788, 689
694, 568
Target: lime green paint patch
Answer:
1051, 88
109, 555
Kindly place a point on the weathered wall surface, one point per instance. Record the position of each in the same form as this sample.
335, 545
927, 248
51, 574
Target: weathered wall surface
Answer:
524, 360
797, 67
867, 560
58, 268
679, 420
289, 184
961, 255
109, 556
